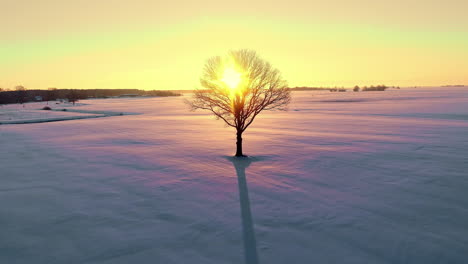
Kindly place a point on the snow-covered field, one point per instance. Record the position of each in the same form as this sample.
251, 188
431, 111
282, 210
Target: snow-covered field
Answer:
59, 111
369, 177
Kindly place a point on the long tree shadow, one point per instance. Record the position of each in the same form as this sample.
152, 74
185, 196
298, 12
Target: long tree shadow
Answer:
250, 244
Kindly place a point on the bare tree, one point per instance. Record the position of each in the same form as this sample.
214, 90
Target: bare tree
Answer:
238, 87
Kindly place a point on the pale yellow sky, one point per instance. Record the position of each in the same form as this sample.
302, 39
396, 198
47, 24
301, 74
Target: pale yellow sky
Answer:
162, 45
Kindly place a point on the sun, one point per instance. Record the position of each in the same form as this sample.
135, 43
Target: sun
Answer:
231, 78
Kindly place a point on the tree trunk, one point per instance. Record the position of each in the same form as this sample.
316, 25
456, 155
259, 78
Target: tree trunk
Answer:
239, 145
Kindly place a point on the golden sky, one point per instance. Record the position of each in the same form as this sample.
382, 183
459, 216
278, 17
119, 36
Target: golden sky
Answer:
152, 44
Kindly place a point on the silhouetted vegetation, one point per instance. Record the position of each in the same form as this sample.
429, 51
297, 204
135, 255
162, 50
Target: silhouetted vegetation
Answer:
374, 88
264, 90
50, 95
72, 97
337, 89
22, 95
3, 99
342, 89
160, 93
304, 88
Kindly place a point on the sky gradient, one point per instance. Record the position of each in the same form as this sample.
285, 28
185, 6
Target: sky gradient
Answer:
160, 45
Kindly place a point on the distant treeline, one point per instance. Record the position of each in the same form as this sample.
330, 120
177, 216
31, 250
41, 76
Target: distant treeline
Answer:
375, 88
304, 88
342, 89
22, 95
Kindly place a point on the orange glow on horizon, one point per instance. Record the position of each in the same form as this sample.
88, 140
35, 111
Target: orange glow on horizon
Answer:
152, 44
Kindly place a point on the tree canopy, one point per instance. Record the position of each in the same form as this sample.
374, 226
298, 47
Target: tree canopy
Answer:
237, 87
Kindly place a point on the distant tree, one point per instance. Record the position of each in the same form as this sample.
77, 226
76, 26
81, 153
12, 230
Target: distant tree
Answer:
356, 88
375, 88
72, 97
238, 87
20, 94
161, 93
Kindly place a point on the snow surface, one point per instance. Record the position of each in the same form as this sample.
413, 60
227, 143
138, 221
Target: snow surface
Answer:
60, 111
368, 177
